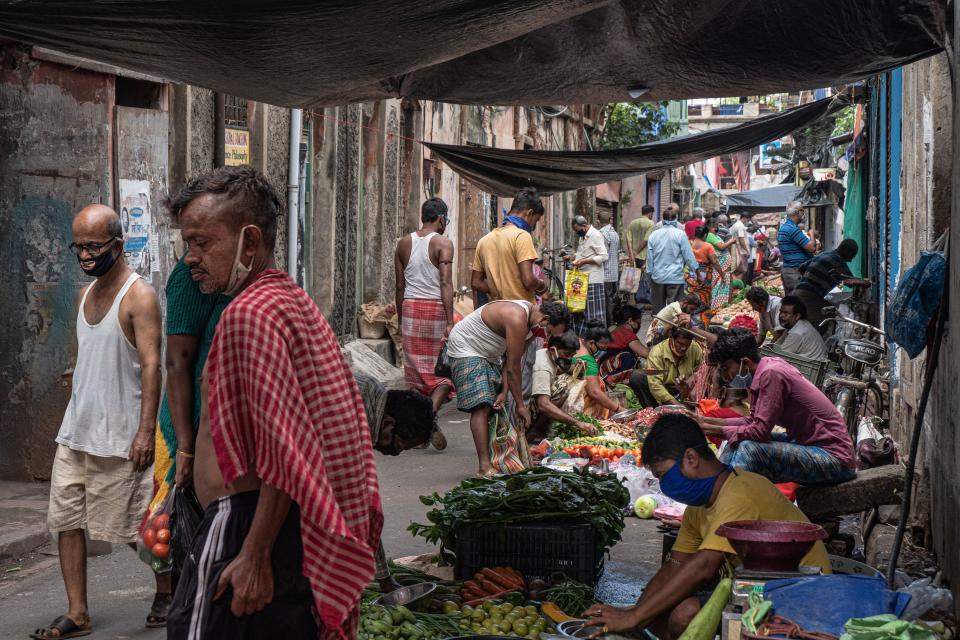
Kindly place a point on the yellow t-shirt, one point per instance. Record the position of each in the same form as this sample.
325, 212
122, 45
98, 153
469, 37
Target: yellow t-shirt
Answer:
498, 255
744, 496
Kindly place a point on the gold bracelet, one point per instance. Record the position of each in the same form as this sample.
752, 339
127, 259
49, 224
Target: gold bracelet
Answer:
184, 454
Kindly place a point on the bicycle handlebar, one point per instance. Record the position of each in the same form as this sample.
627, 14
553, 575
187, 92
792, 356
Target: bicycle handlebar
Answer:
855, 323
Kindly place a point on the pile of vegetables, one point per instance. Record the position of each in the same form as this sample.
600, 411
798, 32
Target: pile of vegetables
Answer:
492, 583
382, 623
535, 494
446, 591
597, 453
570, 596
503, 619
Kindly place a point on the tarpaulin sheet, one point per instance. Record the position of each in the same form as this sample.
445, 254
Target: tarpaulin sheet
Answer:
768, 199
505, 171
533, 52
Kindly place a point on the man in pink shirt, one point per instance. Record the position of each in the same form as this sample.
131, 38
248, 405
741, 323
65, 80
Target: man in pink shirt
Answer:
816, 448
690, 226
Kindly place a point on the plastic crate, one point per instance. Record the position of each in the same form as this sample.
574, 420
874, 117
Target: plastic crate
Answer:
813, 370
536, 550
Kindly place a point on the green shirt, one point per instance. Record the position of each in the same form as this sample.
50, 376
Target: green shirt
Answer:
638, 231
592, 368
661, 357
190, 312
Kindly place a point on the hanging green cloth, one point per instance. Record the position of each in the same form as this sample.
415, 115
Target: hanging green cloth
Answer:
854, 214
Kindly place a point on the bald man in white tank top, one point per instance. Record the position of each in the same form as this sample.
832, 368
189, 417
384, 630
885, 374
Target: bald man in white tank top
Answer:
423, 264
101, 481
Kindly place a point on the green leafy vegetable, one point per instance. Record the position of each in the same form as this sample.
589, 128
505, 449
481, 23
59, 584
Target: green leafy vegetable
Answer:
571, 596
537, 494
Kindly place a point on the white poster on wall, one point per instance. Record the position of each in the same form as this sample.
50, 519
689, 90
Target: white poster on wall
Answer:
137, 227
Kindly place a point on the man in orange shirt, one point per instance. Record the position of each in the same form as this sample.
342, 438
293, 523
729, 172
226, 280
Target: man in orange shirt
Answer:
503, 262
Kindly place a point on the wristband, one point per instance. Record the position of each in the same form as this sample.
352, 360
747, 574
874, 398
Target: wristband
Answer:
185, 454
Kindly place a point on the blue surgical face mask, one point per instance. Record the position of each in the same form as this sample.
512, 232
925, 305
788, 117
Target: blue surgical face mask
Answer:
741, 380
688, 491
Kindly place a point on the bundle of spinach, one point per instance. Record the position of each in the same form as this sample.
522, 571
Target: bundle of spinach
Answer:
536, 494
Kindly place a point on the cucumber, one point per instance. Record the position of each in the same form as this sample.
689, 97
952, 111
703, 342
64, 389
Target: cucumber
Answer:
704, 624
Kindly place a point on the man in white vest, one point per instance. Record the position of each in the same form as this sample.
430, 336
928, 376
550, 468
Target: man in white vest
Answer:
101, 481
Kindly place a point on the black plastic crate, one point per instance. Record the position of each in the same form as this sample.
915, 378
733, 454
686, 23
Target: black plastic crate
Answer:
536, 550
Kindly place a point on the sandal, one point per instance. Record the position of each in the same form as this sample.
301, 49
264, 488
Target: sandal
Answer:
157, 617
64, 628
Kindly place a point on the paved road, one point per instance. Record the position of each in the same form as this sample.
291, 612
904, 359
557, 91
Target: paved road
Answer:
121, 587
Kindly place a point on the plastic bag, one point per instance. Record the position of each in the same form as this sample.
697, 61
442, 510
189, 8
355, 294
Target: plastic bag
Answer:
184, 521
927, 598
638, 480
442, 368
509, 452
576, 290
630, 279
914, 302
643, 289
153, 541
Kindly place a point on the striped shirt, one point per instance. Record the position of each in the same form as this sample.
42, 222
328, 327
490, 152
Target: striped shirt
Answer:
824, 272
611, 268
791, 241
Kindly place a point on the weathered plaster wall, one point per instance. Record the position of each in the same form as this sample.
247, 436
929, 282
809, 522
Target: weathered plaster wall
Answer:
201, 131
55, 157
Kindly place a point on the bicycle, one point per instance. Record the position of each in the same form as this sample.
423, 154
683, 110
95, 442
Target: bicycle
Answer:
555, 283
855, 389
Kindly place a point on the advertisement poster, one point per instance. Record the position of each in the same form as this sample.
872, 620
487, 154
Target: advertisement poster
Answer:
236, 146
137, 228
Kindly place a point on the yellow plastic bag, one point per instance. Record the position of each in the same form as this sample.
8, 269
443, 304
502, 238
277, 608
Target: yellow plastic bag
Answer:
576, 290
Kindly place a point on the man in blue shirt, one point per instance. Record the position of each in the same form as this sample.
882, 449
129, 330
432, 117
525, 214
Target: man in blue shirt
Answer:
795, 247
668, 250
825, 272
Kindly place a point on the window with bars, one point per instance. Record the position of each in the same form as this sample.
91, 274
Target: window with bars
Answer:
235, 111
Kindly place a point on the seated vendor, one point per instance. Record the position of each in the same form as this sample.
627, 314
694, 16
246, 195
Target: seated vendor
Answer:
816, 448
550, 384
398, 420
625, 349
677, 313
593, 342
677, 454
680, 358
799, 337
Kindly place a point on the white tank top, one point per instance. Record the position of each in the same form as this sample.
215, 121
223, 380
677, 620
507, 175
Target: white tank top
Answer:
421, 276
471, 337
104, 411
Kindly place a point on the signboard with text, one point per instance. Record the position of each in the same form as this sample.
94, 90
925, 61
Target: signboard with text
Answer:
236, 146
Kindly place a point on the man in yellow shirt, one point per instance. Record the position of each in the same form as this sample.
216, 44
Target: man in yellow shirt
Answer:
679, 456
503, 261
680, 358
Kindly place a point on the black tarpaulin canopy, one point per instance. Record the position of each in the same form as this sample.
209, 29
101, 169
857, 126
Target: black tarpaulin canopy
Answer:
534, 52
505, 171
763, 200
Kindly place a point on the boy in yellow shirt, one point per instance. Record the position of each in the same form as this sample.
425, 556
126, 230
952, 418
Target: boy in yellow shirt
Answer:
677, 453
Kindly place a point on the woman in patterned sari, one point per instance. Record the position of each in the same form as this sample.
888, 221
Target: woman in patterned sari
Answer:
720, 293
708, 276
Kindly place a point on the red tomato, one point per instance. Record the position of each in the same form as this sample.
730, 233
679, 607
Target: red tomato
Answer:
160, 550
162, 521
149, 538
163, 535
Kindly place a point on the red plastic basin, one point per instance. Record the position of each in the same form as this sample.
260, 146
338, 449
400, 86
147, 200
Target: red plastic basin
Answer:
771, 545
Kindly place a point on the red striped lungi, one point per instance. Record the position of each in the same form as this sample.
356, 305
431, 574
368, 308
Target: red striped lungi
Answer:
423, 325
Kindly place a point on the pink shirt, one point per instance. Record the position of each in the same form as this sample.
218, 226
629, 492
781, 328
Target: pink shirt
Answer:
781, 396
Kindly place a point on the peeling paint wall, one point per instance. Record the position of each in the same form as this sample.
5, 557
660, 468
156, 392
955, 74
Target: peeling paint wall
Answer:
55, 157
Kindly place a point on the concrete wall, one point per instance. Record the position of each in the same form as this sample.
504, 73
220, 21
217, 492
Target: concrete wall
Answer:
55, 157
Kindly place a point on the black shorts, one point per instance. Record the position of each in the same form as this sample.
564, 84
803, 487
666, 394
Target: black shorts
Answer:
195, 615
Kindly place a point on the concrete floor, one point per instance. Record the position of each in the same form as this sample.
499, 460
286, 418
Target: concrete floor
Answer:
121, 587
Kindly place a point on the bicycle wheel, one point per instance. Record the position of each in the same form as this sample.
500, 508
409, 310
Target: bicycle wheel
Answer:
871, 402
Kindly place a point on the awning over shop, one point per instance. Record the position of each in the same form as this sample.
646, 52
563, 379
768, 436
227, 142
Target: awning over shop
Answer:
763, 200
534, 52
505, 171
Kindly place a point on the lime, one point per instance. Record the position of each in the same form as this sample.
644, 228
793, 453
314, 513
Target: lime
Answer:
520, 629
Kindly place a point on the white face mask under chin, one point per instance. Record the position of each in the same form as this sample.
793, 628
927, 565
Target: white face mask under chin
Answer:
239, 271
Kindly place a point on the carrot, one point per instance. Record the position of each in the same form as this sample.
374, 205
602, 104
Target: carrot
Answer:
489, 586
510, 578
516, 574
498, 579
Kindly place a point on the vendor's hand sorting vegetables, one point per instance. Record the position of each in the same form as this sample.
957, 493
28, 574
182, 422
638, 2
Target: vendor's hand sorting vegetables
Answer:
676, 452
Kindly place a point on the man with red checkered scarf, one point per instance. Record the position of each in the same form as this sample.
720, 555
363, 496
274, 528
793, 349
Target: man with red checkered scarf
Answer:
284, 459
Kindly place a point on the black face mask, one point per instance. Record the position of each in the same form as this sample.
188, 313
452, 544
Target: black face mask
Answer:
563, 364
392, 449
582, 234
102, 263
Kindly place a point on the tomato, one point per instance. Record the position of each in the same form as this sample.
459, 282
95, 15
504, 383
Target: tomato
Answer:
619, 452
160, 550
149, 538
163, 535
162, 521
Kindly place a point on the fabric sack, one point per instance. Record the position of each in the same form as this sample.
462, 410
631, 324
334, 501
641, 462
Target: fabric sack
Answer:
914, 302
509, 452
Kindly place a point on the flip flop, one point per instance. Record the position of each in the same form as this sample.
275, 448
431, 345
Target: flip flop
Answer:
157, 617
65, 628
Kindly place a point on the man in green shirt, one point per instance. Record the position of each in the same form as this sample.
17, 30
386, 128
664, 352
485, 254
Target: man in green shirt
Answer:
679, 357
638, 232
